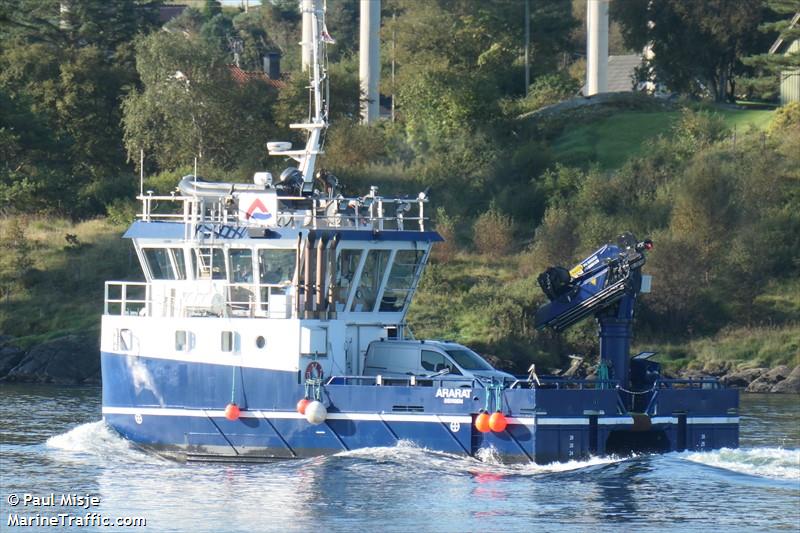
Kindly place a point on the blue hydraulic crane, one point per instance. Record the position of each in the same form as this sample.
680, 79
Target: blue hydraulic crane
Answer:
605, 285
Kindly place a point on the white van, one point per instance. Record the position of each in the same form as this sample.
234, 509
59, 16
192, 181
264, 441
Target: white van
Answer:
426, 358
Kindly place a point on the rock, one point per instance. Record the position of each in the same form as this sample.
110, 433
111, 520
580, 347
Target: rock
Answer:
717, 368
766, 381
68, 360
691, 373
790, 385
10, 354
577, 368
742, 378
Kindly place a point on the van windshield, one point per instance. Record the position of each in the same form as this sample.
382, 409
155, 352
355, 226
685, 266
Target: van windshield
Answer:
468, 360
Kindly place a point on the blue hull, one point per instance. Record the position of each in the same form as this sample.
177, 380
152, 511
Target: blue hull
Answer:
176, 408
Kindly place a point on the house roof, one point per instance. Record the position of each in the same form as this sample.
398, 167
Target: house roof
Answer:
245, 76
778, 44
621, 71
167, 13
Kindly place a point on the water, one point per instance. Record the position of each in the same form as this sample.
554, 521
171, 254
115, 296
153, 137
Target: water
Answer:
51, 441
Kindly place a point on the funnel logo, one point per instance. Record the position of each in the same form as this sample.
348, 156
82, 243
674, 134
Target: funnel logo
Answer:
258, 211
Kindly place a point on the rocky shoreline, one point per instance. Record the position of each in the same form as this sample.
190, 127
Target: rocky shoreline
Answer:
70, 360
75, 360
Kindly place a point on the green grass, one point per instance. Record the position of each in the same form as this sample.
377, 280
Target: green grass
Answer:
610, 141
64, 294
739, 348
743, 119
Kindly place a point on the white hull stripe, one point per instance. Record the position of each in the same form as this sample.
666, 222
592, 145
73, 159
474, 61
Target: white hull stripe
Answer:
218, 413
395, 417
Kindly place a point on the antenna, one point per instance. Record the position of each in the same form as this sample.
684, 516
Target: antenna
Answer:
141, 172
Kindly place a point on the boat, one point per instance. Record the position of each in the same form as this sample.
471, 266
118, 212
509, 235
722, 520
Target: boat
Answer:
272, 325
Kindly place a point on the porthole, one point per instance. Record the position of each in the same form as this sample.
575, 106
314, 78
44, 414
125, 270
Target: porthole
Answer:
261, 341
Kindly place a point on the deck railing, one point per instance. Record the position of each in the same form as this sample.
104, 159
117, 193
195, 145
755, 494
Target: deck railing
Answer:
368, 212
182, 299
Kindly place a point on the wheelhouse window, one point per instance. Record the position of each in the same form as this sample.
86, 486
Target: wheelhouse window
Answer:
158, 263
370, 282
346, 268
179, 262
209, 263
276, 267
401, 280
241, 265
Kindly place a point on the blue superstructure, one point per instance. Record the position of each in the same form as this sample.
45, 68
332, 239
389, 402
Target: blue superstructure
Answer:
272, 324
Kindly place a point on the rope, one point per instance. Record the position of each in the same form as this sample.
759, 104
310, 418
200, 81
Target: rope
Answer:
494, 391
233, 384
651, 389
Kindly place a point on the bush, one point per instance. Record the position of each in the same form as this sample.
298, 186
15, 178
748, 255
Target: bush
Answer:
698, 129
548, 89
492, 233
121, 212
786, 120
15, 256
352, 146
446, 226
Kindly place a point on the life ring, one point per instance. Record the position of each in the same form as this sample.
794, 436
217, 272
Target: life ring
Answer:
314, 370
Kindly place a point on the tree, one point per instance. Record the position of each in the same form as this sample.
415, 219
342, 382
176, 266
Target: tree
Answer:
191, 106
697, 45
773, 64
70, 69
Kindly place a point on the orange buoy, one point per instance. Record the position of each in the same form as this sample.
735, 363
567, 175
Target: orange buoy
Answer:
232, 411
482, 422
302, 404
498, 422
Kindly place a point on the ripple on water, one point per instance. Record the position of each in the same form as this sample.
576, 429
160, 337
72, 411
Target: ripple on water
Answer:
774, 463
96, 440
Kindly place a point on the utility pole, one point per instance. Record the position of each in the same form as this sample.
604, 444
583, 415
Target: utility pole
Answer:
394, 48
596, 47
527, 46
369, 59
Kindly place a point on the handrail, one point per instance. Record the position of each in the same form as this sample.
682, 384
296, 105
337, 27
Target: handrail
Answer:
262, 300
355, 212
397, 380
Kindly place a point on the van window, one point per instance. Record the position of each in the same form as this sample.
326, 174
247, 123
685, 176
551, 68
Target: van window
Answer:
436, 362
370, 282
468, 360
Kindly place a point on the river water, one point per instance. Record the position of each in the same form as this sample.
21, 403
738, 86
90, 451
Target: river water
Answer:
52, 441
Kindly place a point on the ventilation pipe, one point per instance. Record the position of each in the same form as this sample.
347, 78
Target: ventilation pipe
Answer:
331, 276
308, 286
296, 279
596, 47
319, 292
369, 59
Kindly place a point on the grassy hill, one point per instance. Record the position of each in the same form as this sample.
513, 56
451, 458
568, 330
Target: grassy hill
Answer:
612, 140
62, 291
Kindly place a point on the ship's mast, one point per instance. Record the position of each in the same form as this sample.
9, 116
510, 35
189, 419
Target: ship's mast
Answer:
319, 115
